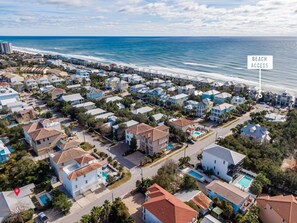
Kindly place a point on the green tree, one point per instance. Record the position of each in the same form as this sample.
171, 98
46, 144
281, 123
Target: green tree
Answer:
256, 188
61, 201
189, 183
133, 143
184, 160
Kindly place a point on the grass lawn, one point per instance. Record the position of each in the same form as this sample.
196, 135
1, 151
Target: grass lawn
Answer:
126, 177
86, 146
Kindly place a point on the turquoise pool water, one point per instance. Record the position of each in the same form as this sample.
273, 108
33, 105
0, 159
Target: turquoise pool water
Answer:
245, 182
196, 134
44, 199
170, 146
104, 175
195, 174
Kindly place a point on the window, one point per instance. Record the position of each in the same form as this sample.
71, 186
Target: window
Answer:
43, 140
224, 162
62, 164
215, 161
86, 181
214, 167
47, 139
218, 173
38, 142
76, 186
75, 179
84, 175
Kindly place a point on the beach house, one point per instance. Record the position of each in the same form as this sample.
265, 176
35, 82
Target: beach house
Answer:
188, 89
239, 200
11, 204
86, 105
63, 158
256, 133
30, 84
218, 111
43, 81
224, 163
8, 93
122, 86
210, 94
26, 115
142, 110
182, 124
240, 88
83, 175
196, 198
277, 209
112, 83
236, 100
284, 99
54, 80
178, 99
73, 99
203, 107
155, 93
222, 98
136, 87
228, 85
162, 207
94, 93
113, 99
56, 93
4, 152
149, 139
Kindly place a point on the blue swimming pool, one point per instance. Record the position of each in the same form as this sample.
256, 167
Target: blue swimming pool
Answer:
195, 174
245, 182
44, 199
170, 146
104, 175
196, 134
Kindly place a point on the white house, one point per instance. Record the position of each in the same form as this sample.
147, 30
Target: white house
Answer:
219, 110
136, 87
8, 93
113, 99
178, 99
83, 175
203, 107
188, 89
74, 99
236, 100
284, 98
224, 162
86, 105
142, 110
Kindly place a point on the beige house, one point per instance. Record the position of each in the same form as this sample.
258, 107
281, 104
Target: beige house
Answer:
277, 209
63, 158
26, 115
150, 140
182, 124
56, 93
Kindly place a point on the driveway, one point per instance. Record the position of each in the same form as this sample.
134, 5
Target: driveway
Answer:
134, 204
135, 157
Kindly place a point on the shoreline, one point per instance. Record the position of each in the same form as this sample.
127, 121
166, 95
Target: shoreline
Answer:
172, 72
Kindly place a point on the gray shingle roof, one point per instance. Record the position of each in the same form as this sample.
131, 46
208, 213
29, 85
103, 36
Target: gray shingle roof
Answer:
228, 155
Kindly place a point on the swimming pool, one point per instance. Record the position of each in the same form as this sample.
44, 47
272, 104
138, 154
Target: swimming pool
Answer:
245, 182
170, 146
195, 174
104, 175
196, 134
45, 199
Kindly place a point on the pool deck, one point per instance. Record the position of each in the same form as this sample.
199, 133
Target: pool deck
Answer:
235, 182
204, 177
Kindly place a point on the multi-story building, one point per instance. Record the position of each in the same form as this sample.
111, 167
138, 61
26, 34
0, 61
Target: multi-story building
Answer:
182, 124
210, 94
31, 84
43, 81
284, 98
83, 175
188, 89
239, 200
5, 48
56, 81
8, 93
73, 99
4, 152
203, 107
255, 133
63, 158
236, 100
224, 162
277, 209
94, 93
178, 99
218, 111
221, 98
162, 207
150, 140
112, 83
43, 136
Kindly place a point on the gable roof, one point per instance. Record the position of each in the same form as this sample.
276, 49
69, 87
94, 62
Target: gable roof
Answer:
201, 200
166, 207
285, 206
154, 134
69, 154
182, 122
32, 127
223, 153
227, 191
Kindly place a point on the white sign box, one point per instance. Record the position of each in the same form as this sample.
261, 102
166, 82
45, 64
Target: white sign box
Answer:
259, 62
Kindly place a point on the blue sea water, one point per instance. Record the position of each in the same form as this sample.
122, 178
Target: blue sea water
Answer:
219, 58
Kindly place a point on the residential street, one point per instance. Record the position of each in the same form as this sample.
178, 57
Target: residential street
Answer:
122, 190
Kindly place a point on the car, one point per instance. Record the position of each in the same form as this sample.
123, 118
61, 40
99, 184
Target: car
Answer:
191, 141
42, 217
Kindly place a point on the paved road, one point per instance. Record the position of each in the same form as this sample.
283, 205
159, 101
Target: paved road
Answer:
122, 190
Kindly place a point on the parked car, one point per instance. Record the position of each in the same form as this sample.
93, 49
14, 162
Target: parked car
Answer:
42, 217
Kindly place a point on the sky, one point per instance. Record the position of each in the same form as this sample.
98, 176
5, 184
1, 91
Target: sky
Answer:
148, 17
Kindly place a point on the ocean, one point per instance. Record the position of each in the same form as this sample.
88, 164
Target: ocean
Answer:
218, 58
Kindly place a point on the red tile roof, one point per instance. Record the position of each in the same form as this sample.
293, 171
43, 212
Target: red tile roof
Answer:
201, 200
140, 128
44, 133
182, 122
84, 170
32, 127
167, 208
154, 134
69, 154
84, 159
285, 206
